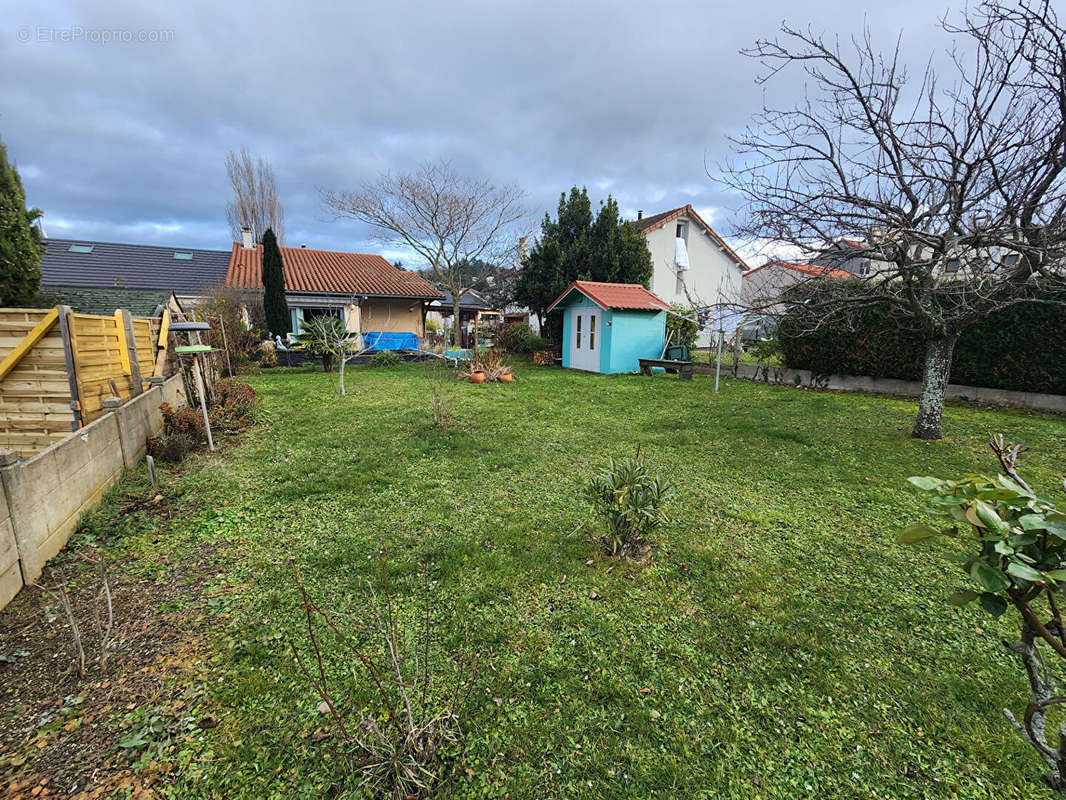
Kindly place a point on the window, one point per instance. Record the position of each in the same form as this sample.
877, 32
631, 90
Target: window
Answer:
681, 232
951, 265
81, 248
183, 256
592, 332
864, 268
1011, 259
578, 332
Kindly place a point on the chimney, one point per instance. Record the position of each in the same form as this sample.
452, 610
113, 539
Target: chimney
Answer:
640, 213
246, 238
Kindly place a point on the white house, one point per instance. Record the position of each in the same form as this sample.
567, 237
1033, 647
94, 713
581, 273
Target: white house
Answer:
691, 264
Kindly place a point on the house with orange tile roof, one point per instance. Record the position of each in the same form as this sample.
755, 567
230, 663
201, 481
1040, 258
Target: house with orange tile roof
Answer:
691, 263
763, 285
366, 291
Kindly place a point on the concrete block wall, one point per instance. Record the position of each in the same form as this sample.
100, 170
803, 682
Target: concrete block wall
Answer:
45, 497
1055, 403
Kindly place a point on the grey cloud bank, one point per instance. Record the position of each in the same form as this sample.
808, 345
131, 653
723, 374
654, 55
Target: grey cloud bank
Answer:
120, 132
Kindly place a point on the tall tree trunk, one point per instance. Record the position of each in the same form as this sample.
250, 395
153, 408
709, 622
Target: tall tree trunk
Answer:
936, 368
457, 326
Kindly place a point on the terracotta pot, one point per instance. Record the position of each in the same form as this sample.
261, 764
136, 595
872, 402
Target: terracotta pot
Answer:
506, 377
477, 377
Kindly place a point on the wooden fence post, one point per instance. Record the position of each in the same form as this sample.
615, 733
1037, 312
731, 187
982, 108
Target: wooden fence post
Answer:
68, 355
127, 338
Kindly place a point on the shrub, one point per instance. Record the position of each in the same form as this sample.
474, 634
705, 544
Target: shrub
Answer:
519, 339
396, 745
628, 500
1016, 543
680, 330
235, 405
185, 421
1010, 349
228, 306
172, 447
386, 358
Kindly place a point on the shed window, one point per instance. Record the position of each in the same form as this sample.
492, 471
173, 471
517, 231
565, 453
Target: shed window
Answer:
592, 332
578, 342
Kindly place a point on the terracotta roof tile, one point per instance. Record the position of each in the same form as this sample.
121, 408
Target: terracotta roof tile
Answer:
807, 269
616, 295
328, 272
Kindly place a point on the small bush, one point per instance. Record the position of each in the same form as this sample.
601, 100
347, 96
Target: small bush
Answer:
185, 421
173, 447
681, 330
628, 500
235, 405
519, 338
386, 358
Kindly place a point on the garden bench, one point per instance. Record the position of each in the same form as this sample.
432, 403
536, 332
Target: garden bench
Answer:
683, 369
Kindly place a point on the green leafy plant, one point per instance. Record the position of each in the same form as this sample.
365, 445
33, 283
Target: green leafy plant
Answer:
1017, 559
519, 338
628, 500
386, 358
682, 329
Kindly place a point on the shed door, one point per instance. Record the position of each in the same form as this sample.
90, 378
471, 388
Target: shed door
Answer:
585, 325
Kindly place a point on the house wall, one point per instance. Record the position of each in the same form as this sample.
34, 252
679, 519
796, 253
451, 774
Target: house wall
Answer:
710, 267
395, 315
762, 288
630, 336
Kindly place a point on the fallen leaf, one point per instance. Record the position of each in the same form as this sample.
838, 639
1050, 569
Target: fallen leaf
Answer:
593, 595
644, 690
323, 707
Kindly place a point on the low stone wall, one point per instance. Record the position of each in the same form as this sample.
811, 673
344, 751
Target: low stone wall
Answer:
1055, 403
44, 498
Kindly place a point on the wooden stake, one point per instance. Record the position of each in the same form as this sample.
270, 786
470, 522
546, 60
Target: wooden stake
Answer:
197, 374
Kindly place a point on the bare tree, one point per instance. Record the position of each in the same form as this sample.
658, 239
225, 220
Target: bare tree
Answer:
255, 202
329, 336
448, 219
954, 188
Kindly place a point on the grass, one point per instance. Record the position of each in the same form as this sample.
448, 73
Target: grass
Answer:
778, 644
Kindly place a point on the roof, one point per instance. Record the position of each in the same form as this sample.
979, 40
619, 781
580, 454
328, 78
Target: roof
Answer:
139, 302
470, 299
328, 272
806, 269
647, 224
615, 295
111, 265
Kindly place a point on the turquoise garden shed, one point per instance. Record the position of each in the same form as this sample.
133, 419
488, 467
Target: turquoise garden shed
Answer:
608, 327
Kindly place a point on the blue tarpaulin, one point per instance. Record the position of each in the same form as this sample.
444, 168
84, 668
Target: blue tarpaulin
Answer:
389, 340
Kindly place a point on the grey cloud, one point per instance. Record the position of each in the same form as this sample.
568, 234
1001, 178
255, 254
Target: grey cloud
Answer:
125, 141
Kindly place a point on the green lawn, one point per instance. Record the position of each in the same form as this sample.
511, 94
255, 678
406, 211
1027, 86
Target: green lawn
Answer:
791, 648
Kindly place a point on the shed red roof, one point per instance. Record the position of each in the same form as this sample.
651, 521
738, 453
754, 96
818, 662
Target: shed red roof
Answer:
807, 269
615, 295
328, 272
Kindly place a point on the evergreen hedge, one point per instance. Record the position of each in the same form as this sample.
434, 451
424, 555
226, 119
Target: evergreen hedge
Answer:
1022, 348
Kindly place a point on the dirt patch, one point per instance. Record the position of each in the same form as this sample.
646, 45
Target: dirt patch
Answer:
109, 732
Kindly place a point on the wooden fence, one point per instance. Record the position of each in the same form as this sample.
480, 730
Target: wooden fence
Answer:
57, 367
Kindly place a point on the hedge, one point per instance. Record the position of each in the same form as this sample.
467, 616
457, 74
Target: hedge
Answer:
1022, 348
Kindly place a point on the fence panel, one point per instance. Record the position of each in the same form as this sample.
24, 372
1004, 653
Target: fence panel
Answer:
35, 408
100, 360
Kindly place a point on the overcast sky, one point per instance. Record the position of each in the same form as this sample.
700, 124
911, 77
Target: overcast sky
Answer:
124, 141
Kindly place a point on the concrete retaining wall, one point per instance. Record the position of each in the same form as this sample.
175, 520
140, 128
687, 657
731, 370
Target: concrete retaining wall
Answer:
1055, 403
44, 498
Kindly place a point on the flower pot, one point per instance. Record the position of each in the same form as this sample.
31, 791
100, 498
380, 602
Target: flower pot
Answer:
506, 377
477, 377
